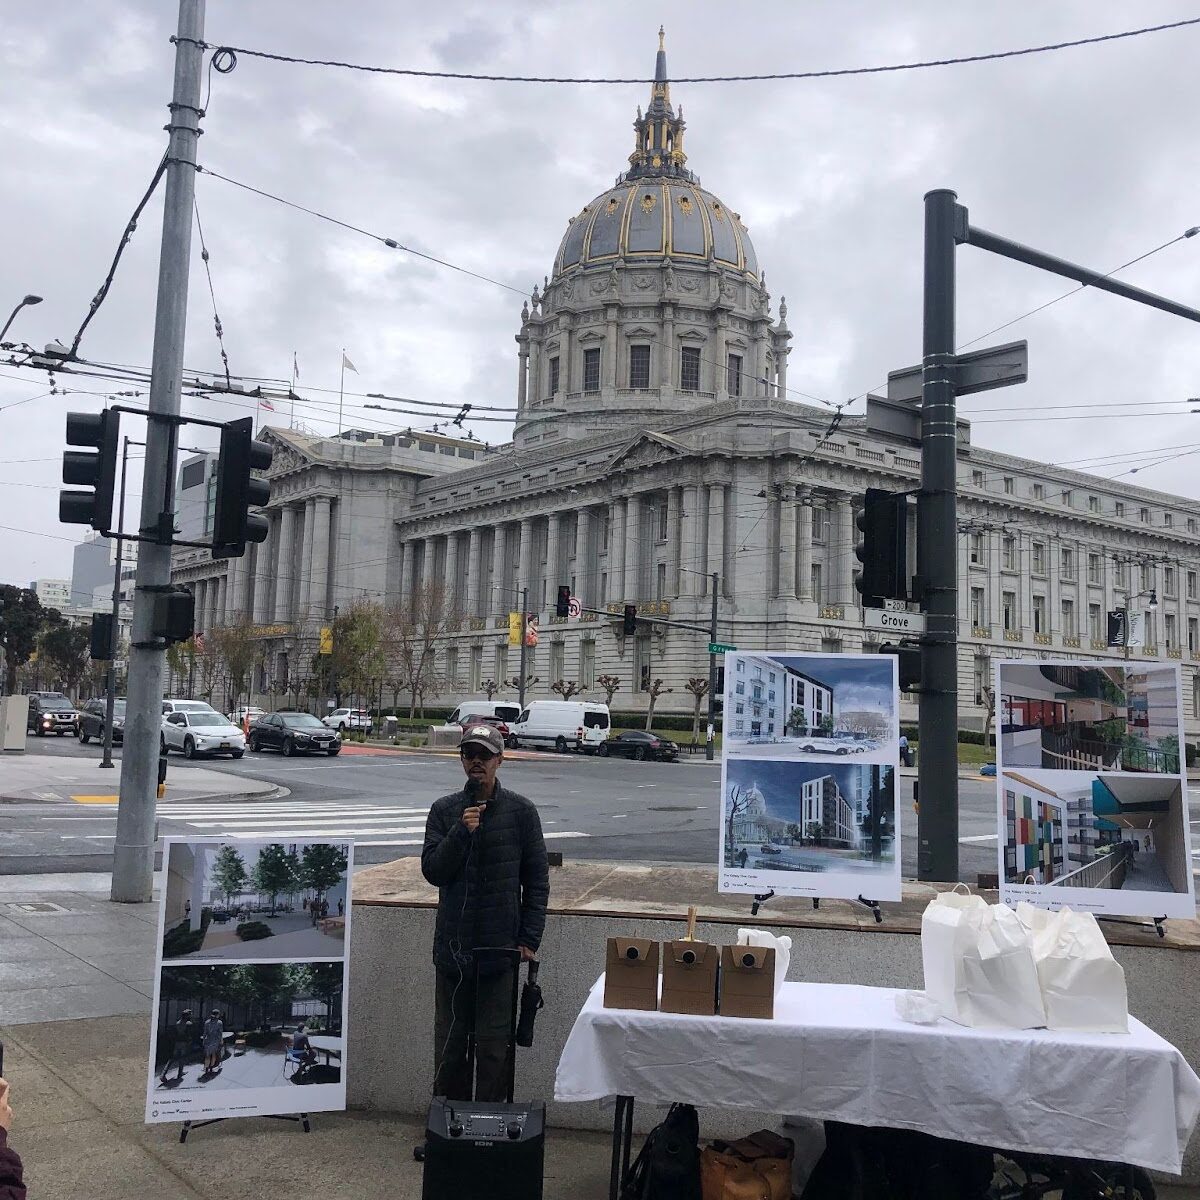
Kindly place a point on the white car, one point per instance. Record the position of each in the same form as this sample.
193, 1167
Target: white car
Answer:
201, 730
342, 719
244, 711
833, 744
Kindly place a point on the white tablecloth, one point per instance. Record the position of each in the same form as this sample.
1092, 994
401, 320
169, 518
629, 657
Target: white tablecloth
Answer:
837, 1052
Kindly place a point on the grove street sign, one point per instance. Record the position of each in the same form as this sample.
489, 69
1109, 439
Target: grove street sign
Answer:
893, 622
719, 648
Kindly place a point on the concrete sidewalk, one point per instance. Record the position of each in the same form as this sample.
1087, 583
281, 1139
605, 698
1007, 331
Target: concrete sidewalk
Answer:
28, 778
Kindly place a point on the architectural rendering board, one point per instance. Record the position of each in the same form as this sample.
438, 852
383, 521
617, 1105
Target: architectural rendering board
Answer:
251, 978
1091, 793
808, 779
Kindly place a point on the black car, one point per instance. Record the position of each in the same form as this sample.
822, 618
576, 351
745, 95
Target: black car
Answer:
636, 743
51, 712
292, 733
91, 721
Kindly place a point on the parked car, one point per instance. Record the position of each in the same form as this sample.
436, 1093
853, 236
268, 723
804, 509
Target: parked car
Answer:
91, 721
201, 730
636, 743
246, 710
831, 744
767, 848
292, 733
498, 724
342, 719
563, 724
171, 704
51, 712
505, 710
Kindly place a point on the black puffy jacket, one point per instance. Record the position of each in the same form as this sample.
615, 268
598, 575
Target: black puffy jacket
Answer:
493, 884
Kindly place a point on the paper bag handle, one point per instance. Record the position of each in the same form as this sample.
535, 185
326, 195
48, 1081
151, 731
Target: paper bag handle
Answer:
690, 936
962, 885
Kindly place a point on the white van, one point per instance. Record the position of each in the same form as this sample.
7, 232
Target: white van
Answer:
504, 709
563, 724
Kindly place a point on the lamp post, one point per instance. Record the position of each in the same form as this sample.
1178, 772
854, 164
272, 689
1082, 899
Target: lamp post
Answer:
28, 301
1151, 605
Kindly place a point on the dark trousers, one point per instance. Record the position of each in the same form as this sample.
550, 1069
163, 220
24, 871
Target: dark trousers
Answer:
455, 1006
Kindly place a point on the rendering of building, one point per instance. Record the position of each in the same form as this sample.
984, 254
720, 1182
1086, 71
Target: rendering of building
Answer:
827, 813
657, 454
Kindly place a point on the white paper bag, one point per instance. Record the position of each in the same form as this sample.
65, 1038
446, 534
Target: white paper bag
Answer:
978, 964
1083, 986
782, 946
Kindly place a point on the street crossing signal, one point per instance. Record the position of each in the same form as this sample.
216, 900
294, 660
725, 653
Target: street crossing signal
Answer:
100, 643
174, 615
95, 470
237, 491
630, 625
908, 661
563, 607
883, 550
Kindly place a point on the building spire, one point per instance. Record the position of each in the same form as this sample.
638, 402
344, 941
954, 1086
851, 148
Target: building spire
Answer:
659, 146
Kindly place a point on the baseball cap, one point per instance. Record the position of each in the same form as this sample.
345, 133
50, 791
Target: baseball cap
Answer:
483, 735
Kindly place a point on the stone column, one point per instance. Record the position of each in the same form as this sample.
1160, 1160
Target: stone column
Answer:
616, 551
787, 544
524, 559
1025, 622
689, 542
404, 576
666, 362
565, 336
472, 603
633, 549
500, 598
262, 577
715, 557
804, 549
305, 555
452, 596
239, 574
552, 570
199, 613
319, 586
535, 370
844, 593
995, 565
674, 533
1054, 589
608, 354
286, 571
522, 371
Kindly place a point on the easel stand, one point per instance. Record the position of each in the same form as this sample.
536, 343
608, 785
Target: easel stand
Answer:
1158, 923
188, 1126
873, 905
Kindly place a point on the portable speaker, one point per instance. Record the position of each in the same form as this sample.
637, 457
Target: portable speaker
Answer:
479, 1151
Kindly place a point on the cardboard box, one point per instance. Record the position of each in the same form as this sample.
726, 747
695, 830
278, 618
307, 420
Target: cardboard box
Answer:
690, 978
631, 973
748, 981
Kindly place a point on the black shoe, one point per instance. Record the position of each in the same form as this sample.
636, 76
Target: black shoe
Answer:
419, 1153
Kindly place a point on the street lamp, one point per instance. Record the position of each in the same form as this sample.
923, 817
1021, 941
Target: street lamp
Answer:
29, 300
1151, 605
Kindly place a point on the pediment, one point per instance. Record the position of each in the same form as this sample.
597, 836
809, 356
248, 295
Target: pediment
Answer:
649, 449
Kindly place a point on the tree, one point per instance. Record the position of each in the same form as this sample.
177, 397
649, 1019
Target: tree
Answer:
567, 689
358, 648
66, 647
238, 648
739, 801
273, 873
655, 690
431, 615
611, 685
797, 719
229, 873
698, 686
22, 618
826, 725
813, 829
793, 832
322, 866
490, 687
989, 713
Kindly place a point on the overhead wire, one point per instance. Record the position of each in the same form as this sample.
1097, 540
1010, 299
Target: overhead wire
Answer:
828, 73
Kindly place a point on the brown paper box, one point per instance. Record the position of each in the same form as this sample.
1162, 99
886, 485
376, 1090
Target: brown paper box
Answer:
748, 981
689, 987
631, 982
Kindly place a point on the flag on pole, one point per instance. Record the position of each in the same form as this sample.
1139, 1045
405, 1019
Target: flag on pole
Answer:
267, 405
349, 366
295, 366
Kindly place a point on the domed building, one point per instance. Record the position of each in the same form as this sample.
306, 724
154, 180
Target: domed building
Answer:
657, 459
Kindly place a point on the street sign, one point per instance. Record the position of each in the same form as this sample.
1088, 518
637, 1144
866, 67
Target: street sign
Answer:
574, 608
719, 648
893, 622
998, 366
895, 605
514, 628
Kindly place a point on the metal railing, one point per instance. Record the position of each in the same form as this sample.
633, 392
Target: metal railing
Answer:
1108, 871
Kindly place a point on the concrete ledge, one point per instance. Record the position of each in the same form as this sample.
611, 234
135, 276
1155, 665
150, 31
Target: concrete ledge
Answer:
391, 1030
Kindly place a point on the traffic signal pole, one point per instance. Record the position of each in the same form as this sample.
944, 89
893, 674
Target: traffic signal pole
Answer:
709, 738
110, 690
133, 853
937, 557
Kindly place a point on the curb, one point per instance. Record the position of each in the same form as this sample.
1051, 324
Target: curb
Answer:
275, 792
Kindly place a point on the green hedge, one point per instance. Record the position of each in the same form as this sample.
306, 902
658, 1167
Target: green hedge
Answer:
966, 737
182, 939
253, 931
621, 719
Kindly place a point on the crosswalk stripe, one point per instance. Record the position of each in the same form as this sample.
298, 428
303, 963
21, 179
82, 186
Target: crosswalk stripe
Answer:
420, 841
329, 814
332, 822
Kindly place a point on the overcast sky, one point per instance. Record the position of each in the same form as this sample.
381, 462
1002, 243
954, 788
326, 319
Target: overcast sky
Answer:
1088, 153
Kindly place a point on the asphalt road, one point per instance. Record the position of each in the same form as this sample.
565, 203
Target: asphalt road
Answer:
591, 808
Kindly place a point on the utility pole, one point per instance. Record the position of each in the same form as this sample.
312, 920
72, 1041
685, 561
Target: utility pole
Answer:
110, 697
524, 631
133, 852
710, 740
937, 766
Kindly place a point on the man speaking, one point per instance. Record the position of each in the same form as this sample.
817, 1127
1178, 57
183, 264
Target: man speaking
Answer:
484, 852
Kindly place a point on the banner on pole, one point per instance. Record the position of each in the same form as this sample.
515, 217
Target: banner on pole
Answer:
514, 628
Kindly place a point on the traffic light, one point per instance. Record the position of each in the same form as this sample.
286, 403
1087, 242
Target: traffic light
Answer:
95, 470
883, 550
908, 658
630, 626
174, 615
563, 607
100, 644
237, 492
